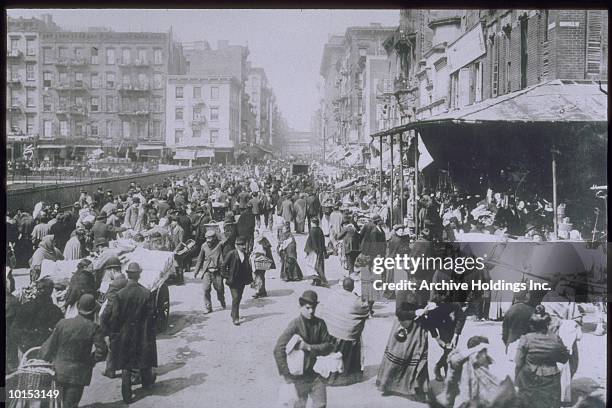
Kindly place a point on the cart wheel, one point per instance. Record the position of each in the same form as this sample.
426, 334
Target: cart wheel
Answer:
162, 307
126, 385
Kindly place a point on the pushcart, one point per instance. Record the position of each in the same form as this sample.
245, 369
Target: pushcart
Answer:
35, 375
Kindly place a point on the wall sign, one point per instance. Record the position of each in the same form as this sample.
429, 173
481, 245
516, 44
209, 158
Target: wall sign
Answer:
466, 48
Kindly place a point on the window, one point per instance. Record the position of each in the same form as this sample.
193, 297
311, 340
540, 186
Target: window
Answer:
30, 74
109, 129
197, 133
94, 56
545, 25
47, 107
214, 93
197, 113
155, 126
110, 80
110, 104
126, 130
78, 79
47, 128
214, 135
125, 104
142, 81
63, 78
125, 56
78, 129
214, 113
47, 79
142, 104
14, 69
157, 81
78, 101
64, 128
30, 124
30, 46
62, 53
94, 128
157, 57
178, 114
95, 104
125, 80
14, 45
63, 102
179, 92
30, 98
495, 70
197, 92
140, 130
523, 53
178, 136
142, 56
110, 56
156, 104
95, 81
478, 82
78, 53
454, 99
47, 55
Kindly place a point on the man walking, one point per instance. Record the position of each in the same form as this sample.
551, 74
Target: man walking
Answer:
70, 349
314, 340
238, 273
315, 247
132, 319
210, 260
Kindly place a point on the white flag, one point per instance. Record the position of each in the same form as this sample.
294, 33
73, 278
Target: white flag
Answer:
425, 158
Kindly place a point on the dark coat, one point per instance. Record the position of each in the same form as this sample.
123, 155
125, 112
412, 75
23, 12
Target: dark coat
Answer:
34, 322
350, 238
374, 241
246, 225
82, 282
315, 242
235, 272
313, 206
516, 322
70, 350
132, 320
101, 229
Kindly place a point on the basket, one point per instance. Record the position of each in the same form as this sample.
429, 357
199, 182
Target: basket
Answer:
34, 374
262, 264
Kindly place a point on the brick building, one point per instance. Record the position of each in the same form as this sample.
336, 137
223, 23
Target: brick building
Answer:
105, 89
203, 117
449, 59
260, 98
23, 92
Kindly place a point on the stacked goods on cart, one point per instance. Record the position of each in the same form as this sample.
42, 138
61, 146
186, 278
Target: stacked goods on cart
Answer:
156, 266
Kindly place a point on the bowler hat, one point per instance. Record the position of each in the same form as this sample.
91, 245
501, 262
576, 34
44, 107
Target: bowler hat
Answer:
87, 304
100, 241
102, 216
210, 234
310, 297
118, 283
133, 269
240, 240
376, 218
112, 262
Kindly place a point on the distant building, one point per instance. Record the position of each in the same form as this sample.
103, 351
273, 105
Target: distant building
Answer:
203, 117
260, 97
299, 145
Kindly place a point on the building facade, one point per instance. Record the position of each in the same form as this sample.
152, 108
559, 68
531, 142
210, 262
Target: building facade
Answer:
203, 117
260, 97
105, 89
23, 91
362, 72
449, 59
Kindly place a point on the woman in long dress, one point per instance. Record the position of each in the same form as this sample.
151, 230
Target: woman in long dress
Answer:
403, 370
287, 249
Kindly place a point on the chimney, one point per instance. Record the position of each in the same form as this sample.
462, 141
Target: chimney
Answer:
222, 44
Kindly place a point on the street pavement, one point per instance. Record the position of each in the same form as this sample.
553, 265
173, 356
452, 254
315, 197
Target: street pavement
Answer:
206, 361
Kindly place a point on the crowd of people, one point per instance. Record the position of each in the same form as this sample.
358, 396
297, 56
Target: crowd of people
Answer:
217, 222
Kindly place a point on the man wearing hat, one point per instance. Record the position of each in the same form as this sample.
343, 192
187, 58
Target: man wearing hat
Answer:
349, 234
114, 287
335, 224
103, 230
315, 341
210, 261
238, 273
313, 207
69, 348
83, 281
315, 246
132, 318
286, 209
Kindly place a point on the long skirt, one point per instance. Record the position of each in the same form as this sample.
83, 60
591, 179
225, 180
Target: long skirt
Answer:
403, 369
539, 391
351, 359
368, 293
290, 269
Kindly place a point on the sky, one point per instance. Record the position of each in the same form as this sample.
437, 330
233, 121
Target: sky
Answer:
288, 44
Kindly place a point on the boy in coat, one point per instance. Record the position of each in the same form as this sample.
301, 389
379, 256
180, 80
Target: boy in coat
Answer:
238, 273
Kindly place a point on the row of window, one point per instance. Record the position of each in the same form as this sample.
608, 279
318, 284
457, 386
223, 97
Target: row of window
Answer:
128, 129
96, 81
197, 113
197, 92
95, 103
13, 72
30, 45
197, 133
110, 58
